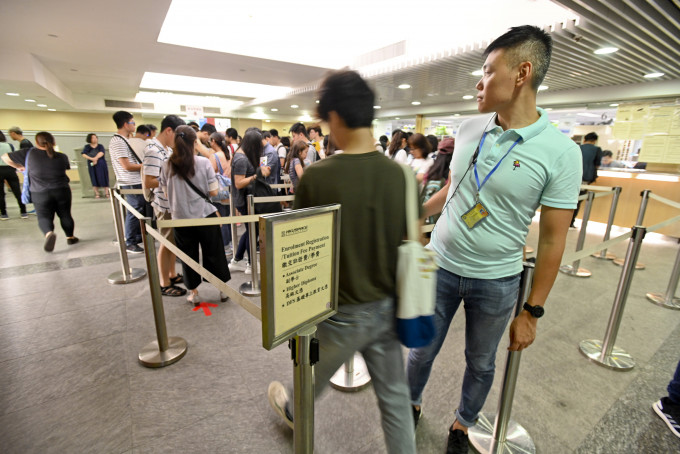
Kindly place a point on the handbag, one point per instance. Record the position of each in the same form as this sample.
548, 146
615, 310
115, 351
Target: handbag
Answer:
416, 279
25, 189
223, 184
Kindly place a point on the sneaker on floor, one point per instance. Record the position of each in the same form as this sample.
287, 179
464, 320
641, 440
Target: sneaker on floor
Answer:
249, 269
24, 215
458, 442
223, 297
278, 398
417, 414
238, 265
3, 217
50, 239
134, 249
31, 212
669, 413
193, 298
73, 240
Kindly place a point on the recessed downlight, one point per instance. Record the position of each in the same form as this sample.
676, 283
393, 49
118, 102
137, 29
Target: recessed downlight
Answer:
42, 105
294, 106
52, 110
404, 86
479, 72
614, 104
317, 101
606, 50
468, 97
29, 100
653, 75
377, 107
274, 109
397, 118
12, 94
542, 87
415, 103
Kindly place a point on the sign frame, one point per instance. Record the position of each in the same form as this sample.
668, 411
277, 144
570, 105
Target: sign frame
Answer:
268, 223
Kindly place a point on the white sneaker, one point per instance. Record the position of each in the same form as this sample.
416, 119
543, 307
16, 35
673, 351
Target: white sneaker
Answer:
249, 269
278, 398
238, 265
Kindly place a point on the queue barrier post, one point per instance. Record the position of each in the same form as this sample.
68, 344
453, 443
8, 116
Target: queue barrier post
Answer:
234, 237
352, 376
305, 352
252, 288
573, 269
605, 353
639, 221
505, 435
163, 351
128, 275
669, 300
603, 255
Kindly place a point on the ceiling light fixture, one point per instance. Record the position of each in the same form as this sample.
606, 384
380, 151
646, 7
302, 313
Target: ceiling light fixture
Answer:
377, 107
404, 86
415, 103
317, 101
613, 105
606, 50
397, 118
653, 75
479, 72
52, 110
542, 87
174, 82
42, 105
29, 100
275, 110
12, 94
294, 106
468, 97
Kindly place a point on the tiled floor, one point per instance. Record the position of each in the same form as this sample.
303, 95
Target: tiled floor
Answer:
70, 381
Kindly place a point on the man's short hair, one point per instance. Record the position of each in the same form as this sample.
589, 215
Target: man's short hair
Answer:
171, 121
274, 132
121, 117
347, 94
153, 127
316, 128
143, 129
208, 128
590, 137
232, 133
607, 153
298, 128
526, 43
16, 130
266, 135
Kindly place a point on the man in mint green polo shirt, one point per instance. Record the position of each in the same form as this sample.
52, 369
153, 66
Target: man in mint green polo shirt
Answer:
505, 165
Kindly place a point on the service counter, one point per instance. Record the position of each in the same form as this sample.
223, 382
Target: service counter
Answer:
633, 183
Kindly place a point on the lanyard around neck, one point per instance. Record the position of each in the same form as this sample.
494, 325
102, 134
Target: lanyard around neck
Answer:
481, 144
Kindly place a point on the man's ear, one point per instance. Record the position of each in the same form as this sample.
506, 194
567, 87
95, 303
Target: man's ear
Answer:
524, 73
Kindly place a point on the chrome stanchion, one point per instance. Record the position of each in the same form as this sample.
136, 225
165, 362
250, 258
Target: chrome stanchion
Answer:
352, 376
234, 237
128, 275
252, 288
163, 351
605, 353
669, 300
573, 269
505, 435
639, 221
603, 255
305, 354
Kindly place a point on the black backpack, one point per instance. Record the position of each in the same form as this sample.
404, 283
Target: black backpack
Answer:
260, 188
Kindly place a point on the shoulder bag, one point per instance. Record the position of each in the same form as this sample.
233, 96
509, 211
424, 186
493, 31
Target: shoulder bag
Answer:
416, 279
260, 188
201, 193
223, 183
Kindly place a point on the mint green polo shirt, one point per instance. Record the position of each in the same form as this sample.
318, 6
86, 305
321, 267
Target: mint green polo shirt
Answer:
544, 168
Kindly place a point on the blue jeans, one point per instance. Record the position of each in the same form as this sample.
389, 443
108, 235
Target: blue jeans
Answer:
133, 231
489, 304
369, 328
674, 387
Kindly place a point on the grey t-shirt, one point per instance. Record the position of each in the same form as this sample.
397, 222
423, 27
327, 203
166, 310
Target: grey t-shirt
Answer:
240, 166
184, 202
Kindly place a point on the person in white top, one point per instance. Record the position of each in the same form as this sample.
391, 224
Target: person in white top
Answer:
396, 150
420, 149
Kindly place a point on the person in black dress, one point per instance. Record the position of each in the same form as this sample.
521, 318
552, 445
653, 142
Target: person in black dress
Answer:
99, 171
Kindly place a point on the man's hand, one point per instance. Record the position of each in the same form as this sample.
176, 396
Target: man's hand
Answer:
522, 331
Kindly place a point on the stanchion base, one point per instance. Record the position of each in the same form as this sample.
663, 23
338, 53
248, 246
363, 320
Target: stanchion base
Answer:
151, 356
638, 265
246, 289
569, 270
517, 439
118, 277
355, 381
660, 300
618, 360
528, 249
607, 256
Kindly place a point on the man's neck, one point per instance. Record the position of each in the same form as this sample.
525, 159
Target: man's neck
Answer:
124, 133
356, 141
517, 118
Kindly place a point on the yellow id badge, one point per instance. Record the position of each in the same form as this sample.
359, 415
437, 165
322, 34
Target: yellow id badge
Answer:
474, 215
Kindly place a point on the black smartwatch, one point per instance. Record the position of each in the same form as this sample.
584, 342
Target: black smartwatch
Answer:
535, 311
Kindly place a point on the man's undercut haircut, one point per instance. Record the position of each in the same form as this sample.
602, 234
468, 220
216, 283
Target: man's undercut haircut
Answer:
266, 135
298, 128
274, 132
347, 94
16, 130
525, 43
316, 128
590, 137
144, 130
232, 133
153, 127
171, 121
208, 128
121, 117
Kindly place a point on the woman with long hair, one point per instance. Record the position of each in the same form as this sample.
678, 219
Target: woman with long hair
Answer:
48, 185
295, 162
222, 164
99, 171
438, 174
245, 167
188, 182
420, 150
396, 150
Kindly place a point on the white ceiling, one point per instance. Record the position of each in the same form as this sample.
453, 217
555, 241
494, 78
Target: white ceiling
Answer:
102, 49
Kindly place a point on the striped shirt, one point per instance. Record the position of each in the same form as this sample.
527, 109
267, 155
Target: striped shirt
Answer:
119, 148
155, 154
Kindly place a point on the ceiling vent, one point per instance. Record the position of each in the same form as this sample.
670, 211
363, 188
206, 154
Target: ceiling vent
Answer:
382, 54
129, 104
206, 110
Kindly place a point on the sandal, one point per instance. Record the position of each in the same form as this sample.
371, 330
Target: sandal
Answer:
177, 279
171, 290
